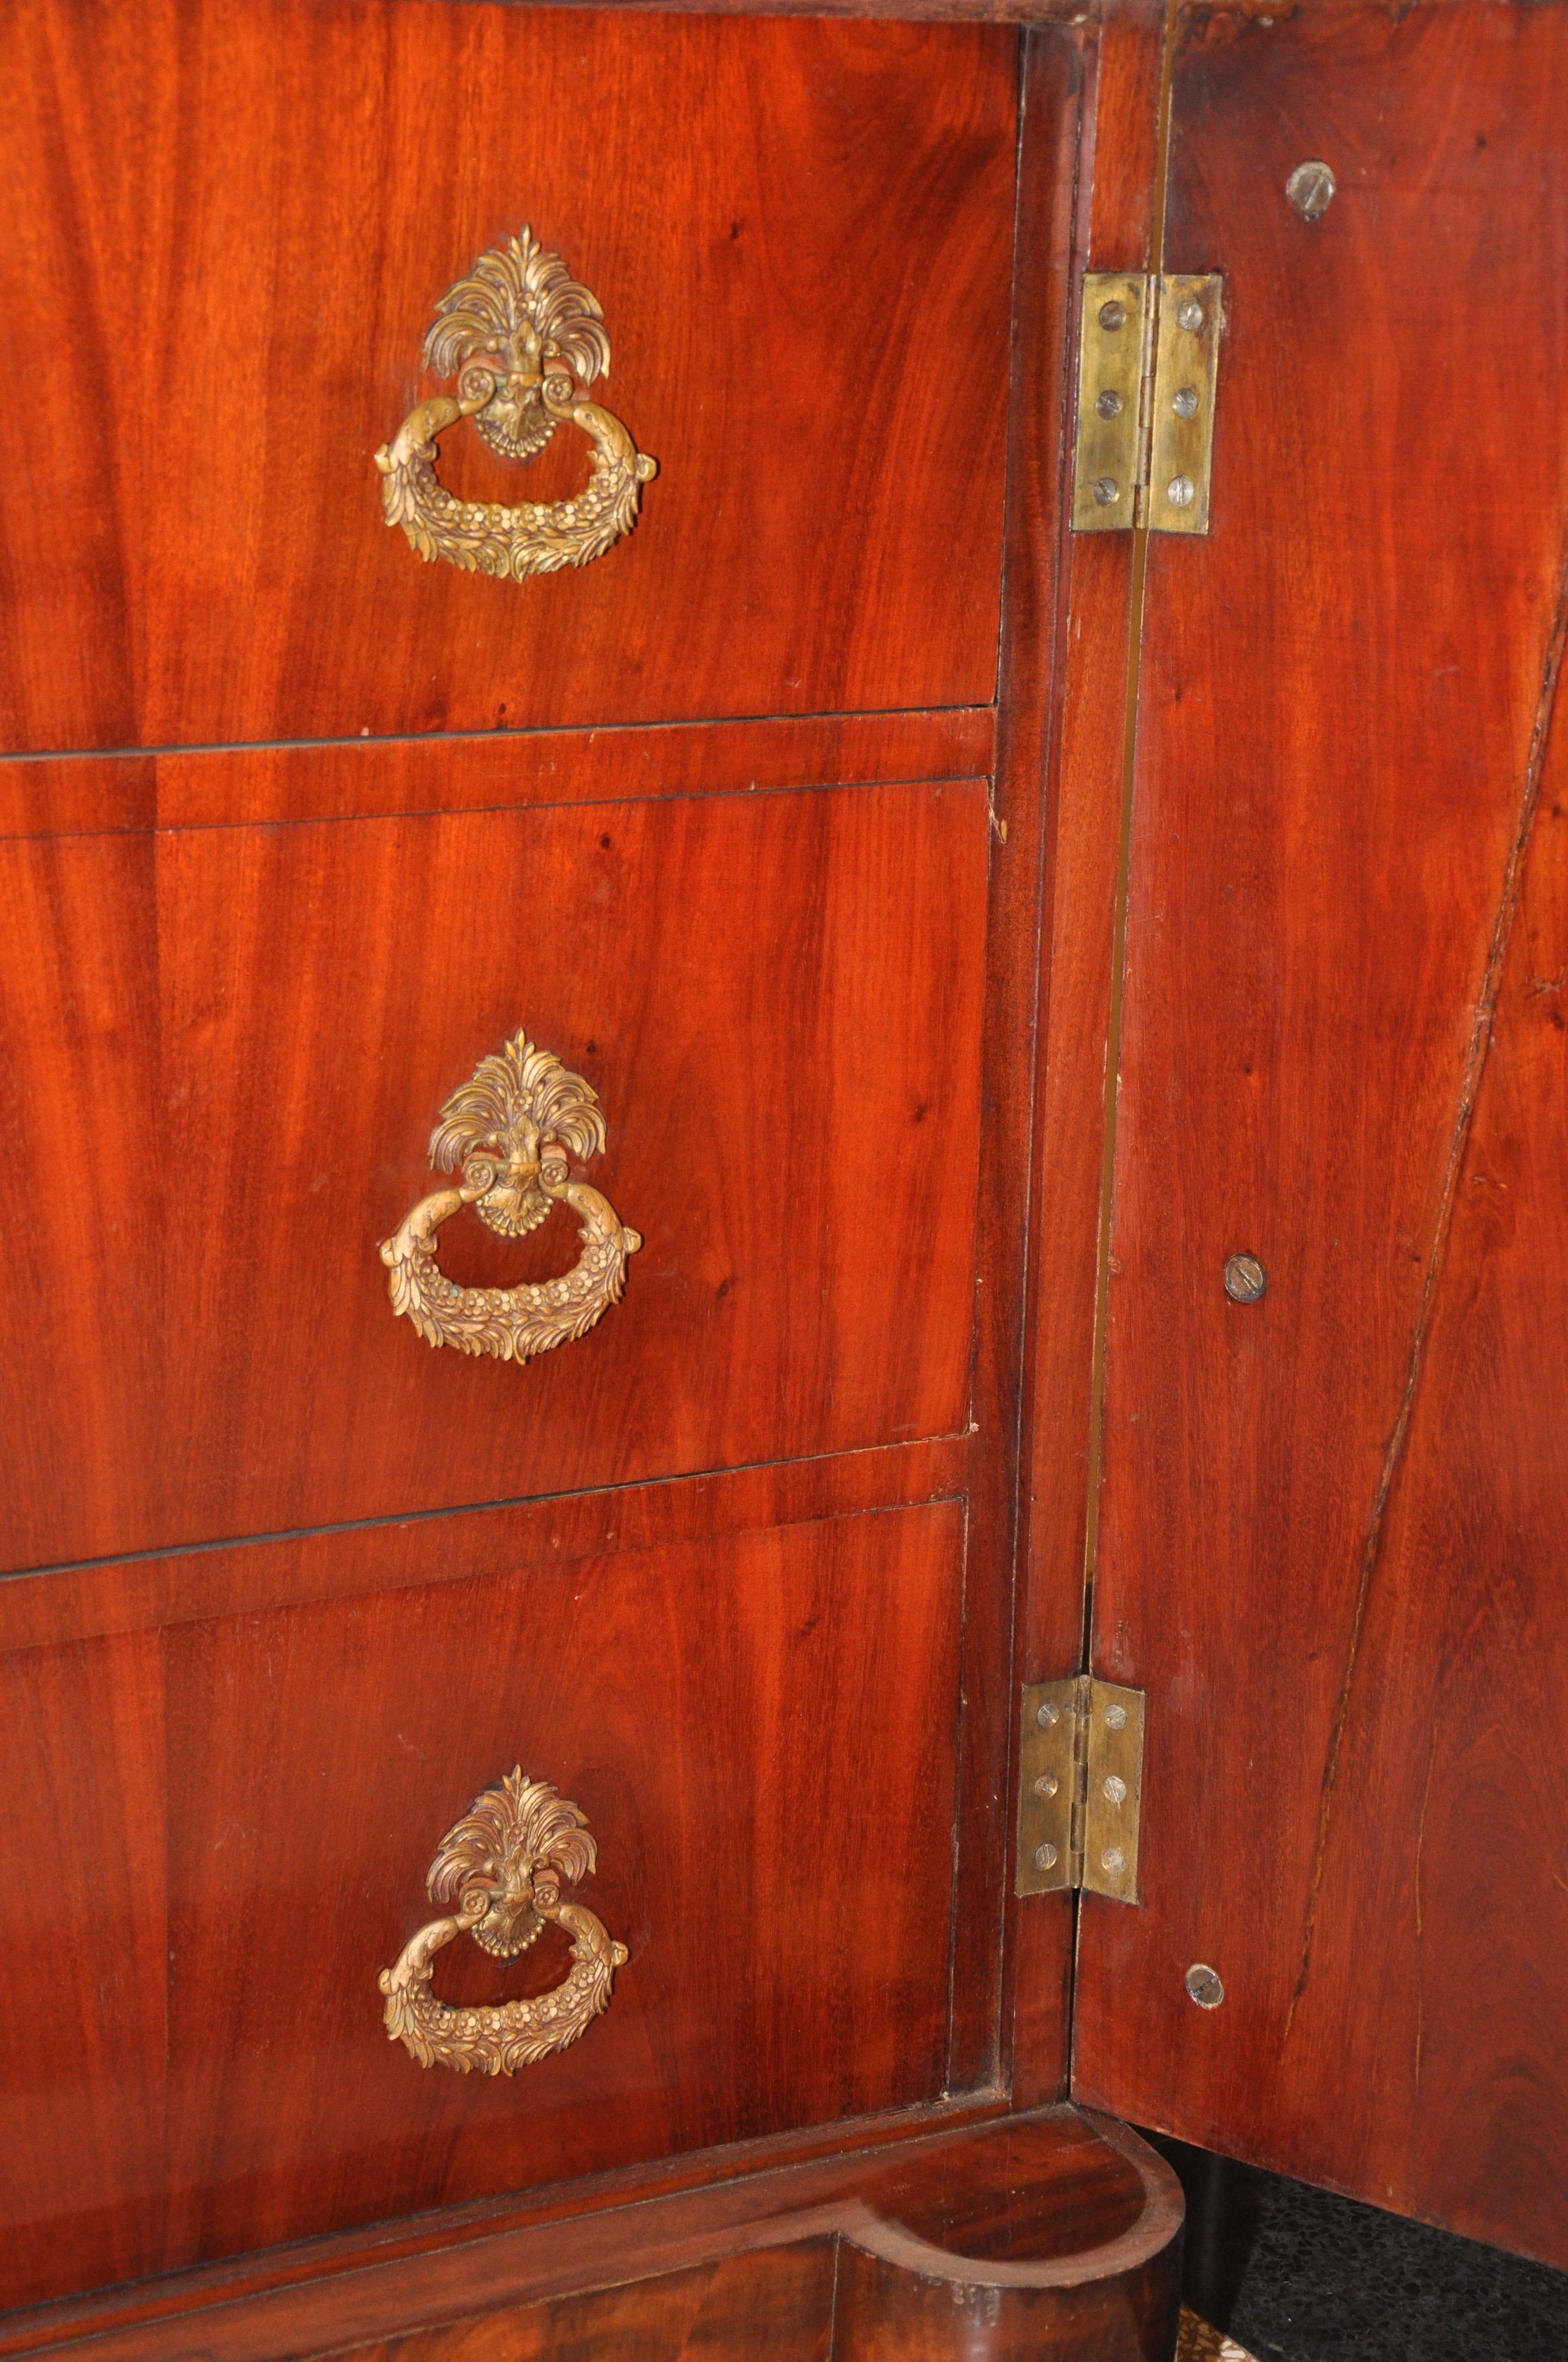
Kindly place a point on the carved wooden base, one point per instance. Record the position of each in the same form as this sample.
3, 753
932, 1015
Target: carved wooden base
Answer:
1054, 2235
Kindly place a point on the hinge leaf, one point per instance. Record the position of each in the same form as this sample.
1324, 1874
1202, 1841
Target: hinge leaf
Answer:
1148, 367
1181, 408
1080, 1787
1114, 1790
1047, 1787
1112, 357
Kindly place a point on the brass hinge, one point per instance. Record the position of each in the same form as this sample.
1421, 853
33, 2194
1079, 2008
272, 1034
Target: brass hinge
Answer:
1148, 359
1080, 1783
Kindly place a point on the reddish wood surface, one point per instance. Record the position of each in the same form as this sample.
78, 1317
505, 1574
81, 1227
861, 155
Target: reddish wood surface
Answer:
366, 779
1331, 1545
127, 2309
1052, 95
1049, 2235
1111, 230
84, 1909
254, 1800
225, 1050
163, 1587
237, 218
240, 978
1443, 1958
989, 12
779, 2302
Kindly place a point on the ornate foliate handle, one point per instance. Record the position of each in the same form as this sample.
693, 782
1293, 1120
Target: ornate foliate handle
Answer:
502, 1866
526, 342
510, 1128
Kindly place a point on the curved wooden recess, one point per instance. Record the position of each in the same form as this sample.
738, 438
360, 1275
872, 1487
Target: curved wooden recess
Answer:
1055, 2235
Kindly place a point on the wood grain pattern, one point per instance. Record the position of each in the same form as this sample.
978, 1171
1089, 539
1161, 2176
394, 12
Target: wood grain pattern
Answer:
1054, 2235
368, 778
1442, 1955
779, 1000
240, 978
164, 1587
1083, 787
779, 2302
772, 1785
135, 2312
237, 217
1052, 95
1341, 696
988, 12
84, 1923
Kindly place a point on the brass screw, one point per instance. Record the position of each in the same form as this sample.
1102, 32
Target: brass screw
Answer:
1113, 314
1106, 491
1045, 1857
1108, 404
1183, 402
1115, 1788
1046, 1784
1245, 1279
1046, 1715
1179, 492
1113, 1860
1311, 189
1116, 1717
1189, 315
1203, 1984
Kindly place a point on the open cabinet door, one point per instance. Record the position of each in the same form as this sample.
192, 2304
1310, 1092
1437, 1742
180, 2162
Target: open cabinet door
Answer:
1331, 1542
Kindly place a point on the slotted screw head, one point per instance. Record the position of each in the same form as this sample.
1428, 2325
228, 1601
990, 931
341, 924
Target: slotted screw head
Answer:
1191, 315
1045, 1857
1245, 1279
1047, 1716
1115, 1788
1113, 314
1108, 404
1183, 402
1311, 189
1046, 1784
1113, 1861
1203, 1985
1179, 492
1116, 1717
1106, 492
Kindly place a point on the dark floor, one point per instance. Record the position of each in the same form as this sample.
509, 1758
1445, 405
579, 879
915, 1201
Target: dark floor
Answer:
1297, 2276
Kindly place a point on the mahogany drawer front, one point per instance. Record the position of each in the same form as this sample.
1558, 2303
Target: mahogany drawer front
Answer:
215, 1834
225, 1049
238, 217
366, 779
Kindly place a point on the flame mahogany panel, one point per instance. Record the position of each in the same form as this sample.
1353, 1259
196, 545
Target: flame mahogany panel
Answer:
225, 1050
1331, 1537
1442, 1957
229, 225
369, 778
762, 1732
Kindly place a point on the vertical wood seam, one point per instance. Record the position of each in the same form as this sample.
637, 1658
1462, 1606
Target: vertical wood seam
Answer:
1043, 624
1137, 601
1136, 609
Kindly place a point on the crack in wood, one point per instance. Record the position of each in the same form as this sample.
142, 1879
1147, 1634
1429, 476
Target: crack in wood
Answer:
1469, 1091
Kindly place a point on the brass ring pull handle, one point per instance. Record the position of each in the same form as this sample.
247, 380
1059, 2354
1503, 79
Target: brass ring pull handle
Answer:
516, 330
504, 1866
510, 1128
